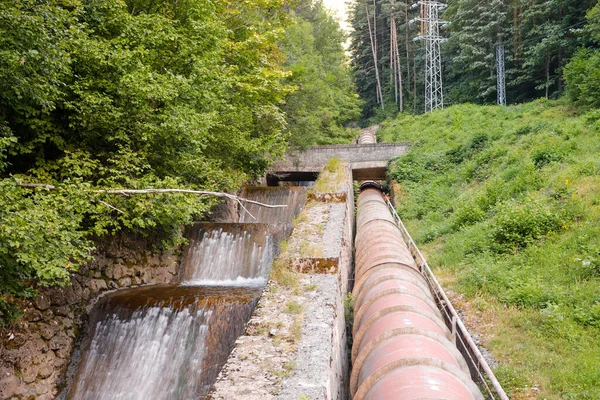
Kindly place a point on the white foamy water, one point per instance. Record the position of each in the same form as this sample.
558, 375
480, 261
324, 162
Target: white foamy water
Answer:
238, 282
228, 258
151, 344
154, 353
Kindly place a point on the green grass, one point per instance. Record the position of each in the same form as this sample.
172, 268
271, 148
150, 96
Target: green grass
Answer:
293, 307
283, 275
331, 178
506, 201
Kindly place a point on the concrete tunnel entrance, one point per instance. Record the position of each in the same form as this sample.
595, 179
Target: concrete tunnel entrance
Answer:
376, 173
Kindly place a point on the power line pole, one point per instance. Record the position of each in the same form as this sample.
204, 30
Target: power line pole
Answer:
430, 32
501, 73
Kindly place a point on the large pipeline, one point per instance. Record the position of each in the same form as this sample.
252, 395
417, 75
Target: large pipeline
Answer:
368, 136
402, 348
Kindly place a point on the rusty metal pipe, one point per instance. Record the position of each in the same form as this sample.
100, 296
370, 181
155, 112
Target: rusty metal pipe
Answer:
402, 347
476, 360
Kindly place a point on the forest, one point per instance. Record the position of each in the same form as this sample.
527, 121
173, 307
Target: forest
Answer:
101, 95
542, 40
100, 98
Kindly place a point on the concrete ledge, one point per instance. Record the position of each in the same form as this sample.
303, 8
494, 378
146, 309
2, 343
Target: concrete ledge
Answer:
315, 158
295, 344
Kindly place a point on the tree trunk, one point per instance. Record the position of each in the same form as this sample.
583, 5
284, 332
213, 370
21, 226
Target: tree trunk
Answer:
398, 66
547, 73
516, 31
406, 43
415, 84
372, 33
559, 68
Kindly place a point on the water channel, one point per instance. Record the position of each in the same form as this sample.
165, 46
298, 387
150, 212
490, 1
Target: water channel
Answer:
170, 341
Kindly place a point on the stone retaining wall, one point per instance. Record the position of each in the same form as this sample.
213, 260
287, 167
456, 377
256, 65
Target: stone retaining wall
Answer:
35, 353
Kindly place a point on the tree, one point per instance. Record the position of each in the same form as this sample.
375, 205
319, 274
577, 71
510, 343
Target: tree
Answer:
582, 73
539, 36
107, 94
383, 51
548, 42
325, 99
477, 28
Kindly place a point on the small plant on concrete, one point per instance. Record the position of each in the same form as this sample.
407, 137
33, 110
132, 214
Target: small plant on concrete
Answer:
349, 316
331, 178
311, 288
283, 245
289, 366
334, 164
293, 307
300, 219
296, 329
284, 276
320, 228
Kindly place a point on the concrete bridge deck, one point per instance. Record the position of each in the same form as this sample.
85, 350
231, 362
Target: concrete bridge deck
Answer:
368, 161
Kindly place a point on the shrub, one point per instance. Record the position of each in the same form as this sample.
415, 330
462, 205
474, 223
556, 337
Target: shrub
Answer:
410, 167
468, 214
494, 192
588, 316
582, 75
519, 224
552, 150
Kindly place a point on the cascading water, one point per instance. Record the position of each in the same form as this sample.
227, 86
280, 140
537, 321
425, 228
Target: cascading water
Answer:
228, 255
170, 341
151, 343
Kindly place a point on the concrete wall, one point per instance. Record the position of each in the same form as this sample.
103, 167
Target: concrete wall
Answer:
322, 368
315, 158
271, 361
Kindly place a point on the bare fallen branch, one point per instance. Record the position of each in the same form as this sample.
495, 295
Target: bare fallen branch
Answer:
37, 185
111, 206
127, 192
200, 192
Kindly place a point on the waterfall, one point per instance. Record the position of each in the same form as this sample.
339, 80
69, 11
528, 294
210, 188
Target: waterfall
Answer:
159, 350
228, 255
170, 341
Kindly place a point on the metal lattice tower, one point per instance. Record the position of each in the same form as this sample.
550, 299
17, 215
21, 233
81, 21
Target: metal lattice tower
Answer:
430, 32
501, 72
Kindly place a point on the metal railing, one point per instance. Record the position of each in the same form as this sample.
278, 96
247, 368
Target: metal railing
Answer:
481, 372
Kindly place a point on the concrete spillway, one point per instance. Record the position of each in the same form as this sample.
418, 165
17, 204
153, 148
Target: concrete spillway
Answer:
161, 342
228, 255
170, 341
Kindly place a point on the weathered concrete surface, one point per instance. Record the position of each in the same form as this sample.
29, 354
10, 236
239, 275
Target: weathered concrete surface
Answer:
35, 352
266, 354
269, 361
315, 246
359, 156
314, 375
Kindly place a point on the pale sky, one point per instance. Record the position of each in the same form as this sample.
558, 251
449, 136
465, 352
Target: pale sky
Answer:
339, 8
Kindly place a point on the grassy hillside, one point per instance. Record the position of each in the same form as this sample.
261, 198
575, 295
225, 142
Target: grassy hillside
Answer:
506, 203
